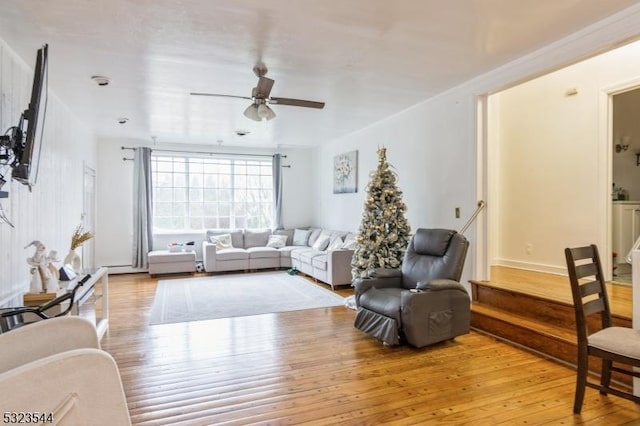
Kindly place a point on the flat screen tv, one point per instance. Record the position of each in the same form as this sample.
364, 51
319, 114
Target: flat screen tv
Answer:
27, 141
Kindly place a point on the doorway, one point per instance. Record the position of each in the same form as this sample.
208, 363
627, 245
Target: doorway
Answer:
546, 158
625, 195
88, 217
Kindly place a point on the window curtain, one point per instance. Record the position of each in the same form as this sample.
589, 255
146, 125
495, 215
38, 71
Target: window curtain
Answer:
276, 164
142, 207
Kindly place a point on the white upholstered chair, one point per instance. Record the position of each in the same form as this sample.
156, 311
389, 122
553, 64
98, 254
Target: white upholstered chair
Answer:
56, 368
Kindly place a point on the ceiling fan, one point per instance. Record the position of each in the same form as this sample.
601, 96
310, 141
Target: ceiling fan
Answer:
260, 100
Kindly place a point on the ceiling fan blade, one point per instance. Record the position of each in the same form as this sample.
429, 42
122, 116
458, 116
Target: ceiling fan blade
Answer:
264, 87
296, 102
219, 95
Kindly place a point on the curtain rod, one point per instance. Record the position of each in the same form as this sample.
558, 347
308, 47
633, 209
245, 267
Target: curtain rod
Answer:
206, 152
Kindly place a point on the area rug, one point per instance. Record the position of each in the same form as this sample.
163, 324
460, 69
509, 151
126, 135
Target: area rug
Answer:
225, 296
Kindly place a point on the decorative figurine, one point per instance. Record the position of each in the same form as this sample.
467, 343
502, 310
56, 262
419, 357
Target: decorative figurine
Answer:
53, 270
42, 279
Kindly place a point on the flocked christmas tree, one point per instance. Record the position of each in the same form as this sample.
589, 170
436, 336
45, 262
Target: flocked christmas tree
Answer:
384, 231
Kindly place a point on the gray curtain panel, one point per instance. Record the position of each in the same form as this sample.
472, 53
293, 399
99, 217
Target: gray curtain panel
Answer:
142, 208
277, 191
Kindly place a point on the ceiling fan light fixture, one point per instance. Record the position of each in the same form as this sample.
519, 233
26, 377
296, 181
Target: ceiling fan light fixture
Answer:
259, 109
252, 113
265, 113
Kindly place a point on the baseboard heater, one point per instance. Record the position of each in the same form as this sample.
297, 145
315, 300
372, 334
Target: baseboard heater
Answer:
124, 269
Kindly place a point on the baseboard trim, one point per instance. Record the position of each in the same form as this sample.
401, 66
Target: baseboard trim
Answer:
529, 266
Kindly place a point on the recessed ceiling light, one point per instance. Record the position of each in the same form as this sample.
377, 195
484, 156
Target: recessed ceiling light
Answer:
123, 120
101, 80
242, 132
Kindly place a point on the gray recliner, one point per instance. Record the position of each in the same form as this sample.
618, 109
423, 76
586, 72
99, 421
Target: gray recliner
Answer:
424, 302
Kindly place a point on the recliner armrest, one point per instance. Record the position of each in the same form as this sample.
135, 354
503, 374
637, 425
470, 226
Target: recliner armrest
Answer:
441, 284
362, 285
385, 273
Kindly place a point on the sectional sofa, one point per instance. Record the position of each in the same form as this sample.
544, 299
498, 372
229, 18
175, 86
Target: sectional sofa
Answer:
322, 254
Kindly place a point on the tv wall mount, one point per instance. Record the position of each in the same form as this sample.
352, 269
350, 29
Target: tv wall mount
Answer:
20, 146
11, 150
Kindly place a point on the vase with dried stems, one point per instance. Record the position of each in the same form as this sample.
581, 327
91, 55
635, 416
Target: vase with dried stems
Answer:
78, 237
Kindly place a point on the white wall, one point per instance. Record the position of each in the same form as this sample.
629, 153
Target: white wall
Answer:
53, 209
115, 203
434, 144
429, 150
550, 166
428, 173
115, 196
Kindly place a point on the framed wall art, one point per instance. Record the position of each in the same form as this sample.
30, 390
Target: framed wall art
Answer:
345, 173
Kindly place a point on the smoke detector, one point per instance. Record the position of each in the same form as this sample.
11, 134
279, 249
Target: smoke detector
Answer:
101, 80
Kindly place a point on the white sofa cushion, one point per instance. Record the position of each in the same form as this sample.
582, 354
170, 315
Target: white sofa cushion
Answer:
335, 244
164, 256
320, 262
277, 241
288, 233
232, 254
263, 252
301, 237
321, 243
315, 234
349, 241
256, 237
297, 252
307, 256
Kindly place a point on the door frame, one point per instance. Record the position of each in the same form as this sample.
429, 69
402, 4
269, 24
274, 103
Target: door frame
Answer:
605, 137
89, 187
486, 230
482, 260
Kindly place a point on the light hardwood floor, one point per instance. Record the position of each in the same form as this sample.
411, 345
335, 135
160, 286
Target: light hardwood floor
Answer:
557, 287
314, 367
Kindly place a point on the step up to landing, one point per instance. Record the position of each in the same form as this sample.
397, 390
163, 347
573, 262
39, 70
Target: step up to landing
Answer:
535, 311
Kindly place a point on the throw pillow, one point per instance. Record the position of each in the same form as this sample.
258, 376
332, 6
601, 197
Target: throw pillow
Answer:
335, 244
313, 236
288, 233
300, 237
237, 236
349, 245
222, 241
321, 244
277, 241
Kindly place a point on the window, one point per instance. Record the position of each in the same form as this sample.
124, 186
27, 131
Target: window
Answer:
193, 193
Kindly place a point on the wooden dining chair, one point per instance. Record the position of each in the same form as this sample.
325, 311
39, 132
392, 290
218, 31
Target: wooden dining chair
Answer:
612, 344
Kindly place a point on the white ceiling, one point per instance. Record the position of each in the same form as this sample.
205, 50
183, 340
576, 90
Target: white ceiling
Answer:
367, 59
